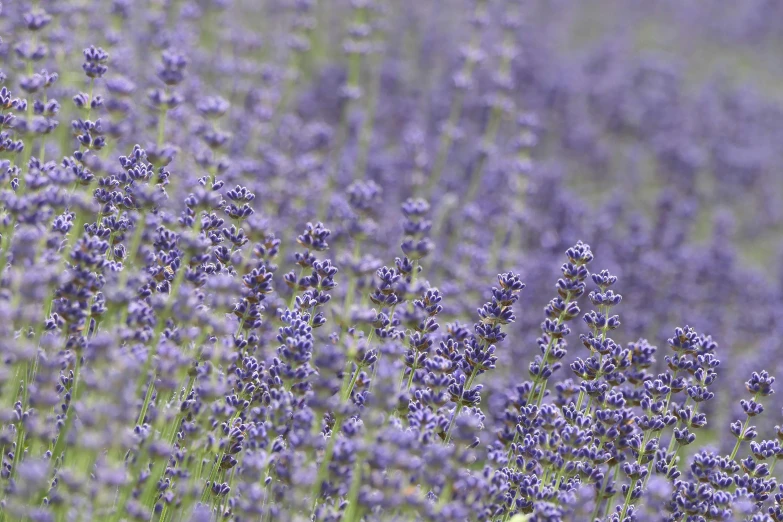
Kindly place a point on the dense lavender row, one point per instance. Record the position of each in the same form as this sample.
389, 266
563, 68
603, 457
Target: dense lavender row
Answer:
245, 246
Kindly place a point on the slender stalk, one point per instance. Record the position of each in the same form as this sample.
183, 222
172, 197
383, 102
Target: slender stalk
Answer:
28, 148
7, 238
350, 290
380, 354
742, 433
612, 472
351, 385
370, 106
162, 124
297, 61
62, 437
341, 137
455, 114
490, 133
89, 100
292, 301
468, 384
132, 252
349, 381
178, 278
352, 511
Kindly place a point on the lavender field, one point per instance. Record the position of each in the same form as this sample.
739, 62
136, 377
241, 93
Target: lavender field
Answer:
391, 260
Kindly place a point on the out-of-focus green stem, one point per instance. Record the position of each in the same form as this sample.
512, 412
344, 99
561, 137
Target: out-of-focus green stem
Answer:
297, 65
446, 137
352, 83
352, 513
161, 326
132, 252
468, 384
162, 126
62, 437
370, 106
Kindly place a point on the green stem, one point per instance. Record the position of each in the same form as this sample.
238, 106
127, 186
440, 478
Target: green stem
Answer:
742, 433
657, 433
380, 354
612, 472
543, 381
414, 276
161, 326
292, 302
323, 468
457, 408
27, 153
580, 399
349, 380
8, 236
673, 442
349, 390
490, 134
162, 127
89, 101
28, 148
352, 511
341, 137
62, 437
132, 252
627, 502
365, 134
351, 289
455, 114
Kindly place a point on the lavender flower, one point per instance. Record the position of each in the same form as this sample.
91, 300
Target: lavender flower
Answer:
246, 281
